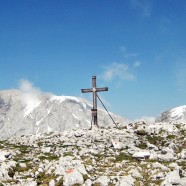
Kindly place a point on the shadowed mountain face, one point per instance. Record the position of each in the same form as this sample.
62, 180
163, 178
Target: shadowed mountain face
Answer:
25, 113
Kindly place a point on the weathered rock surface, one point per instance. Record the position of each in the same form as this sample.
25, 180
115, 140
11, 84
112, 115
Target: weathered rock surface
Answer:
23, 113
175, 114
112, 156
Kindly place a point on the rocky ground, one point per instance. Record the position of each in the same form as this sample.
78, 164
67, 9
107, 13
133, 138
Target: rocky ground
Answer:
135, 154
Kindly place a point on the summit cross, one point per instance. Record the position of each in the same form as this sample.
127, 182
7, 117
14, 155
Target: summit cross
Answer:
94, 90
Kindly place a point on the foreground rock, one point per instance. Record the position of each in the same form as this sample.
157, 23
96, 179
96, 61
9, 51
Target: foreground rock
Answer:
101, 157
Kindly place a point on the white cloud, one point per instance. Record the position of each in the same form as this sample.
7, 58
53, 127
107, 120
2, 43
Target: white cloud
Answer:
119, 71
123, 71
27, 87
137, 64
127, 54
144, 6
30, 97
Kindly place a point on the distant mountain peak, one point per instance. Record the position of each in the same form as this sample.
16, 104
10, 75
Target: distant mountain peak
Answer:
33, 113
174, 114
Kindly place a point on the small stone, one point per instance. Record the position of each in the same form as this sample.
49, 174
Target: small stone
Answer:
4, 155
79, 166
126, 181
72, 177
103, 180
159, 165
88, 182
46, 149
166, 157
157, 176
172, 178
23, 165
52, 183
36, 174
135, 173
117, 144
40, 169
141, 154
89, 168
183, 154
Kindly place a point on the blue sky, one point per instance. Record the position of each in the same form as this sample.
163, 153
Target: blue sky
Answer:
135, 47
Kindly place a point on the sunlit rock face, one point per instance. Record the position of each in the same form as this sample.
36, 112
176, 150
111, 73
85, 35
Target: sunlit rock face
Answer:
175, 114
34, 112
49, 143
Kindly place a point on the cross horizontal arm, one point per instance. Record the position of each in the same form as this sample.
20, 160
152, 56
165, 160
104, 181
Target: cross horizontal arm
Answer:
96, 90
86, 90
101, 89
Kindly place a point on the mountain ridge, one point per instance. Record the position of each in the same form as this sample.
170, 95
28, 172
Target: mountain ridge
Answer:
33, 113
174, 114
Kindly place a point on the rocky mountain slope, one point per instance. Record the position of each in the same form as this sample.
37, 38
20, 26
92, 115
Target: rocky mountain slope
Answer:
175, 114
45, 140
24, 113
136, 154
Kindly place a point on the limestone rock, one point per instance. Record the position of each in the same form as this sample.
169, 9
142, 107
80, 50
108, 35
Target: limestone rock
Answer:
141, 155
73, 177
126, 181
172, 178
103, 180
83, 157
183, 154
45, 113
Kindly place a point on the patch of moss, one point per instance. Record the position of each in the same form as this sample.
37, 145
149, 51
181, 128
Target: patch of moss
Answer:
99, 156
22, 148
18, 168
156, 140
182, 164
85, 177
48, 156
183, 132
2, 144
142, 145
11, 172
157, 182
11, 181
123, 156
97, 141
59, 183
44, 179
171, 137
111, 184
40, 143
51, 156
68, 154
137, 183
96, 184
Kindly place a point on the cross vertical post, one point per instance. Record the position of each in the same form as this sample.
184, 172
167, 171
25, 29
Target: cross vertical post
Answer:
94, 90
94, 110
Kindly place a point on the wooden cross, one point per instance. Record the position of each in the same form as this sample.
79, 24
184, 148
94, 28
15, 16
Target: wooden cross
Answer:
94, 89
